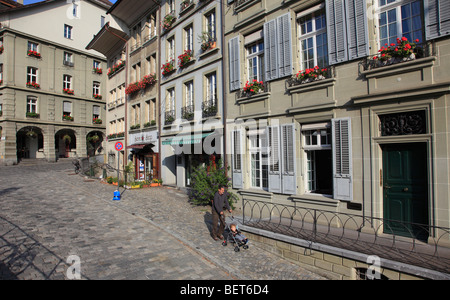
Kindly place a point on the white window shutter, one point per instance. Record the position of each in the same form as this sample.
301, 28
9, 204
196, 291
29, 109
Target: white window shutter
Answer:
337, 32
236, 161
271, 50
284, 45
273, 140
235, 65
358, 41
288, 174
437, 18
342, 159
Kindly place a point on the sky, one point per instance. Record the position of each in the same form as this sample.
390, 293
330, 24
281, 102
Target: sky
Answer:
34, 1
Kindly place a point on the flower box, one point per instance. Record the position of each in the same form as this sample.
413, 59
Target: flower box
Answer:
97, 121
34, 53
403, 51
168, 68
168, 21
67, 118
132, 88
185, 58
32, 115
68, 91
148, 81
154, 184
33, 85
97, 96
254, 87
116, 68
310, 75
97, 71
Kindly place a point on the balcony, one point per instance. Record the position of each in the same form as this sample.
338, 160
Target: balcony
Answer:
188, 112
209, 108
169, 117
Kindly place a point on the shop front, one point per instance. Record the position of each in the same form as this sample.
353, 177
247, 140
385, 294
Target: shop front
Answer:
144, 148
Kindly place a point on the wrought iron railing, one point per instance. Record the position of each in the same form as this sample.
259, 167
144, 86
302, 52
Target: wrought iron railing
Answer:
169, 117
188, 112
209, 108
416, 244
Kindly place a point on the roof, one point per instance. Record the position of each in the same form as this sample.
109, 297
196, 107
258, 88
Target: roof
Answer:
104, 3
127, 12
108, 40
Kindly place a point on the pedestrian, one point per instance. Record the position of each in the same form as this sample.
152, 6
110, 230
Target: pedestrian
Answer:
220, 200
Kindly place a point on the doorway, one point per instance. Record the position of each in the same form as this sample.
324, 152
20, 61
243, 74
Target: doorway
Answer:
405, 189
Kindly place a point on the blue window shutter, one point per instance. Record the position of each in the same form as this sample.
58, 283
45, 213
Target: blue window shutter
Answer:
271, 50
357, 30
273, 140
236, 158
342, 159
437, 18
284, 45
288, 174
235, 65
337, 32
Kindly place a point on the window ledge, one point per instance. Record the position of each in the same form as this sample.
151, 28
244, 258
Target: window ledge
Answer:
316, 199
255, 193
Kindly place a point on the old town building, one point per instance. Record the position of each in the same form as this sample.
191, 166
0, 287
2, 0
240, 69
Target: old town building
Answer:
52, 89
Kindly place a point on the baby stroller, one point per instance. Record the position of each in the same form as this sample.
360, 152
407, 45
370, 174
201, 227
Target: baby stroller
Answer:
237, 238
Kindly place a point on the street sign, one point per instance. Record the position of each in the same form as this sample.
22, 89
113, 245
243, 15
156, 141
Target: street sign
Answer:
119, 146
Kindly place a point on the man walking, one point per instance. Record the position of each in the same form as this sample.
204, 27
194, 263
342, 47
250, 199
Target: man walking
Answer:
220, 200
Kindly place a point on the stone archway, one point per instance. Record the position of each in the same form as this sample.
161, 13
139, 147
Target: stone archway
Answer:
94, 143
30, 143
65, 143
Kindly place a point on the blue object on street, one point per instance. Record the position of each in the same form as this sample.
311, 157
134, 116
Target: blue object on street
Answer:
116, 196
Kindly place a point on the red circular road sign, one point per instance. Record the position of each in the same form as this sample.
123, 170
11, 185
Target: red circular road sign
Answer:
119, 146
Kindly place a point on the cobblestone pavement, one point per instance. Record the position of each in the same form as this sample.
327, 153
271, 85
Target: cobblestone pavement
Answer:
48, 214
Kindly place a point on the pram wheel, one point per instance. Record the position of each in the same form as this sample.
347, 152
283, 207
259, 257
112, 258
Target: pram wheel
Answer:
236, 249
245, 246
224, 243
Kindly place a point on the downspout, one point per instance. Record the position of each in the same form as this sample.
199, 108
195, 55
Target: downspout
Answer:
159, 96
224, 102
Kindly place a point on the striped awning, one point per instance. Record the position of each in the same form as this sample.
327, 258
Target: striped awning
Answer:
186, 139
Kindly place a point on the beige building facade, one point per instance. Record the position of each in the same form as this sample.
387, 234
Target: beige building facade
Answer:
329, 112
52, 89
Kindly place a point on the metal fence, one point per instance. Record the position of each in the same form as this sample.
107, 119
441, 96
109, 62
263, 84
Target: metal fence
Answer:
416, 244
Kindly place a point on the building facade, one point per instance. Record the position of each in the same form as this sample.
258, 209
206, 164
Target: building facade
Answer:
52, 88
191, 87
341, 106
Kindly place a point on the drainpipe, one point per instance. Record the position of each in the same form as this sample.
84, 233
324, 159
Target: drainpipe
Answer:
224, 102
159, 97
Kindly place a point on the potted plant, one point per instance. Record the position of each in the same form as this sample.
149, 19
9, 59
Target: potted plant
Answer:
68, 91
67, 139
402, 51
254, 87
207, 41
67, 118
132, 88
34, 53
97, 71
167, 22
33, 85
312, 74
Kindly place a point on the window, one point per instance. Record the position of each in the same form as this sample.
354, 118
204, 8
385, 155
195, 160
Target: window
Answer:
189, 93
136, 37
319, 164
171, 48
32, 76
96, 88
211, 87
32, 46
67, 82
400, 19
97, 64
313, 40
171, 7
255, 61
211, 24
189, 38
96, 112
136, 72
170, 99
68, 59
67, 31
74, 9
102, 21
31, 104
259, 171
67, 108
136, 114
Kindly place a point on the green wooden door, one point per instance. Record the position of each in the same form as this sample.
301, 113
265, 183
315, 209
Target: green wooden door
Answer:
405, 185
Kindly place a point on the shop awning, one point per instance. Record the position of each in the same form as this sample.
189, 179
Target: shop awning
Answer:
140, 146
186, 139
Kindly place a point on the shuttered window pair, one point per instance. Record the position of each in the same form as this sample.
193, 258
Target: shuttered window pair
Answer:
282, 159
277, 52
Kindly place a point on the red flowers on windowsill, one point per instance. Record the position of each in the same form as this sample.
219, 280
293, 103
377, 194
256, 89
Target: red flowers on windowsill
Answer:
34, 53
185, 58
404, 50
68, 91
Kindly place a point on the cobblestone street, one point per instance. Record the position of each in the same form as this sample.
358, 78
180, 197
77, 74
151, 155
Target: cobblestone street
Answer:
49, 214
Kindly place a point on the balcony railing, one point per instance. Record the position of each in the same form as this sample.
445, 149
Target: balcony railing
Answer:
416, 244
209, 108
188, 112
169, 117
